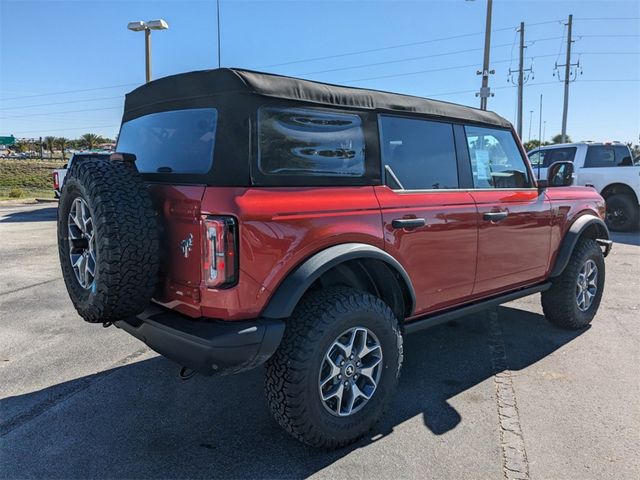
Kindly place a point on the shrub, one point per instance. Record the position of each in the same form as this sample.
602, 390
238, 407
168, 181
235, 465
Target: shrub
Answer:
16, 192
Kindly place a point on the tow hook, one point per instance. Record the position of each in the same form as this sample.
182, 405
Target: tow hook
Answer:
605, 244
186, 374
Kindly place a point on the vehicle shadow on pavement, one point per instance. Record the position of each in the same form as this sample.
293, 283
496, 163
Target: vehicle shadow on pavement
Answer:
141, 421
46, 214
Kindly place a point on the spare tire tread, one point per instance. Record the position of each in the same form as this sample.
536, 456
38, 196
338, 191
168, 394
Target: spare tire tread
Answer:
127, 239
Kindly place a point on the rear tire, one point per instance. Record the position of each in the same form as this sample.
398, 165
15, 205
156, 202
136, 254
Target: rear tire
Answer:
107, 240
297, 376
622, 212
574, 297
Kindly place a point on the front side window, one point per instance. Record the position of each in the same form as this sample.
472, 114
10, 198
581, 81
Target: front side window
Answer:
307, 141
546, 157
178, 141
418, 154
496, 161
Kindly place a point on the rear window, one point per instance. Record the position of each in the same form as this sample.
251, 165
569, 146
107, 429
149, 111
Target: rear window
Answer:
179, 141
307, 141
544, 158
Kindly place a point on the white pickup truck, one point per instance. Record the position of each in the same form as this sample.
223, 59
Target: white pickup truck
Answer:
607, 167
60, 173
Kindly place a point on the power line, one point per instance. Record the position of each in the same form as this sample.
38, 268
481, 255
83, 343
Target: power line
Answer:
61, 103
607, 18
421, 57
57, 113
65, 129
69, 91
391, 47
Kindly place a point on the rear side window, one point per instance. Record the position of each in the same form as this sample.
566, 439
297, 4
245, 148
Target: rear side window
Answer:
600, 156
496, 161
308, 141
546, 157
178, 141
418, 154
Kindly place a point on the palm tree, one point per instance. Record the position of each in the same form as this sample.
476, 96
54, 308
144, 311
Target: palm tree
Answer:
50, 144
90, 140
558, 139
62, 144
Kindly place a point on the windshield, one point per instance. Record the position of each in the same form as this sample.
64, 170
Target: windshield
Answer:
178, 141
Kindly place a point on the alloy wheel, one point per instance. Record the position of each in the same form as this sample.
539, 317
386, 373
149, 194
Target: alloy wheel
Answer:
82, 243
587, 285
350, 371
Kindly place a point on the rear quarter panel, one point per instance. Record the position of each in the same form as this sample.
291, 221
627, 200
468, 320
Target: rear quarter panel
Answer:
281, 227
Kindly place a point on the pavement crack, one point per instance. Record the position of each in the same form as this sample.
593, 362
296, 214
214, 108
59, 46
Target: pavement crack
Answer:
515, 465
65, 393
19, 289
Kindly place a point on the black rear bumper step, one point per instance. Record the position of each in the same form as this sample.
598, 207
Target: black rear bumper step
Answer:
437, 319
206, 346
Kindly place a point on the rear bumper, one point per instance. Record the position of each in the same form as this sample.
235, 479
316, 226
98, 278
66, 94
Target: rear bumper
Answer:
207, 346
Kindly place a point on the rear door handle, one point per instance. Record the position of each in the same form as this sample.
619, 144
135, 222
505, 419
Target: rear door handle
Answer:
495, 216
408, 223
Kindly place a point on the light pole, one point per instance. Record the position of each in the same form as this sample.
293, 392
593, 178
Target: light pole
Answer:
147, 27
530, 122
485, 91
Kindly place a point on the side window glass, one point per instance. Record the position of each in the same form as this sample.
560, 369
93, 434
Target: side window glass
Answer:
623, 156
536, 158
496, 161
307, 141
599, 156
418, 154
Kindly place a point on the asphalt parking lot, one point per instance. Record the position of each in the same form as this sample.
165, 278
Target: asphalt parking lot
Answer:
501, 394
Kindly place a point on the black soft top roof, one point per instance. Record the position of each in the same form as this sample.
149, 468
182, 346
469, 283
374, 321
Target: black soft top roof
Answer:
187, 90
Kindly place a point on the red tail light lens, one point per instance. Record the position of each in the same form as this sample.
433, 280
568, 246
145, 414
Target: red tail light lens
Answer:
56, 181
220, 266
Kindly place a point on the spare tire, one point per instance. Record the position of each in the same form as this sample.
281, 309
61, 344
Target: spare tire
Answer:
107, 240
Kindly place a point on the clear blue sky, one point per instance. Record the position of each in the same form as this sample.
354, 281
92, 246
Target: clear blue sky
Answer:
53, 46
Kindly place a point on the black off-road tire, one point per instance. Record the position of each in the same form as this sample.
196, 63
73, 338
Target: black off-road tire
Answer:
125, 226
292, 373
559, 302
622, 212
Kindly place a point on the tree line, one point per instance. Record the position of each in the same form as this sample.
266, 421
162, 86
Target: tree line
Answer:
88, 141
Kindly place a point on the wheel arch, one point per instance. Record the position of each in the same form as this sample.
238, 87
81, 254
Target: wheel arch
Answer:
618, 188
358, 265
585, 226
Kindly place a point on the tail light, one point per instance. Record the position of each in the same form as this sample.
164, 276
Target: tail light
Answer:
56, 181
220, 266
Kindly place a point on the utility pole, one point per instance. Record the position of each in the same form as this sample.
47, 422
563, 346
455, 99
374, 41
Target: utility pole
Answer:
147, 57
485, 92
540, 124
218, 27
521, 80
567, 79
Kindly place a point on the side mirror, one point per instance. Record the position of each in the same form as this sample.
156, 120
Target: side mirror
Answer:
560, 174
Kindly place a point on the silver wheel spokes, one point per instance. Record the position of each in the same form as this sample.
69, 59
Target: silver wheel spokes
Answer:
350, 371
82, 244
587, 285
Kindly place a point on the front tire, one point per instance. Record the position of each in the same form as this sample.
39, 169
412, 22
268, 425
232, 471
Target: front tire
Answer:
336, 369
574, 297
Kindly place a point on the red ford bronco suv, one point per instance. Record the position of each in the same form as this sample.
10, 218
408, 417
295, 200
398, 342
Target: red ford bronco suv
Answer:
251, 218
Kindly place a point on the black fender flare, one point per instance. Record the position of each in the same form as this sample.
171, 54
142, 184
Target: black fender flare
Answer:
574, 233
292, 288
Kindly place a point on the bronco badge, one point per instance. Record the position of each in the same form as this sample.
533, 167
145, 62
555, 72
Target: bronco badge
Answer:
186, 245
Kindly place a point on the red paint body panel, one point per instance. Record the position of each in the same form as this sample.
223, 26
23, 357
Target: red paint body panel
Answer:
515, 250
455, 258
440, 257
